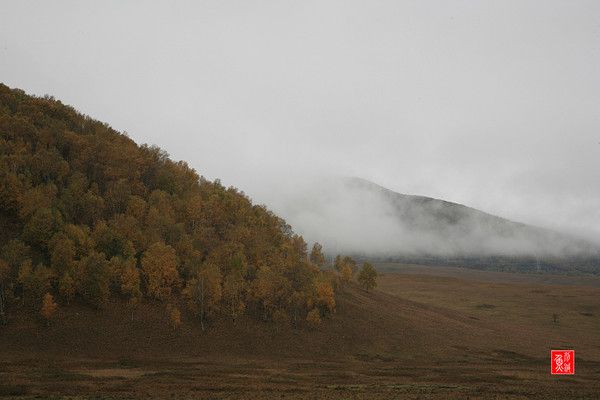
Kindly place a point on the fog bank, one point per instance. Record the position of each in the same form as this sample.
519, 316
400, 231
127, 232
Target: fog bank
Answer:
351, 215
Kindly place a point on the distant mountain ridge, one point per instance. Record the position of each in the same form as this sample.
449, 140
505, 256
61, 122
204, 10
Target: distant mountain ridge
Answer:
354, 215
470, 233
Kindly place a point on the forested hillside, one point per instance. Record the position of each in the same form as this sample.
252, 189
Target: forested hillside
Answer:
86, 214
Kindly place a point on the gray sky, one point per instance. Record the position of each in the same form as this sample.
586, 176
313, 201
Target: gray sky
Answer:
493, 104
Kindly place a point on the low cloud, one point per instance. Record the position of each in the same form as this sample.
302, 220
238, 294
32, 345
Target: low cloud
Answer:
358, 217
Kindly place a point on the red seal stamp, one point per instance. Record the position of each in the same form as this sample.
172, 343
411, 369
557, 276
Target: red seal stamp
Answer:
562, 362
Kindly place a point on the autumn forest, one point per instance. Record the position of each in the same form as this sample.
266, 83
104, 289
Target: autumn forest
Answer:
87, 215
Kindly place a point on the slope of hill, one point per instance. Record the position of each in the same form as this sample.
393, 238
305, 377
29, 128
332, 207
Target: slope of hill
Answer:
88, 215
356, 216
469, 231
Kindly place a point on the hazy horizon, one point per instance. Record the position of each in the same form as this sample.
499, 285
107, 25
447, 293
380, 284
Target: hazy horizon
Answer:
495, 105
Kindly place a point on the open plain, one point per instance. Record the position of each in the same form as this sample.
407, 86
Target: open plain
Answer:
425, 332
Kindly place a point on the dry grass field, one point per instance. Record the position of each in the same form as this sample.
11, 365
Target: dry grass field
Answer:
426, 332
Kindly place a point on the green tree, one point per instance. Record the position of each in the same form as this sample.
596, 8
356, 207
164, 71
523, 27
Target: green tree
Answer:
338, 263
14, 253
281, 319
66, 287
40, 281
367, 277
4, 272
130, 284
95, 283
41, 226
316, 255
234, 287
62, 252
203, 292
24, 278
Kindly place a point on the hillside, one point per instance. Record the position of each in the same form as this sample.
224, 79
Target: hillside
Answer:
464, 235
88, 216
353, 215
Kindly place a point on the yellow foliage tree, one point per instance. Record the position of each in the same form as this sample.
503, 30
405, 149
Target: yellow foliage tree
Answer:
49, 307
159, 265
175, 316
313, 318
346, 274
325, 296
271, 289
130, 280
345, 261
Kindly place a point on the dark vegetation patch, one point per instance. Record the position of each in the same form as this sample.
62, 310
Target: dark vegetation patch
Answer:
13, 390
375, 357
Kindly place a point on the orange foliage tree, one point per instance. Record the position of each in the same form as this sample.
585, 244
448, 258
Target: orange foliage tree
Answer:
159, 265
49, 307
325, 296
313, 318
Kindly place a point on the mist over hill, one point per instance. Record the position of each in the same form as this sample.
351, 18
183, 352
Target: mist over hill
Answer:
353, 215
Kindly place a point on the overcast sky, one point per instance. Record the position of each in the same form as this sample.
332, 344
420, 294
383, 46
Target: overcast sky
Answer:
493, 104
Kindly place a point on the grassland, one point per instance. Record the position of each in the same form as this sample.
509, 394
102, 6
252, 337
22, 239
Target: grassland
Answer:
426, 332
